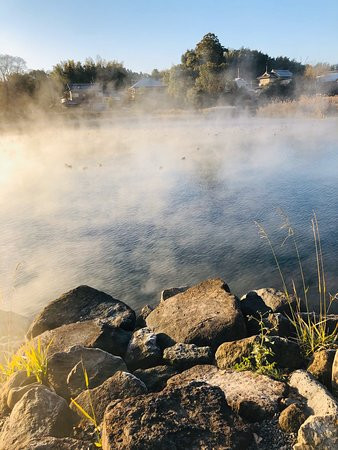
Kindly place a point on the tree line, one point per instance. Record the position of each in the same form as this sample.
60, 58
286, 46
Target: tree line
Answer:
204, 77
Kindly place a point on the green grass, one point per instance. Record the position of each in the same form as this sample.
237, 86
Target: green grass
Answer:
91, 417
312, 332
31, 357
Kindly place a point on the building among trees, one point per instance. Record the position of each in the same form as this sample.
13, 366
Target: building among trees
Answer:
281, 75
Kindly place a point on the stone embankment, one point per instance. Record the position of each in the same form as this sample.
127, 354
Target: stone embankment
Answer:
172, 377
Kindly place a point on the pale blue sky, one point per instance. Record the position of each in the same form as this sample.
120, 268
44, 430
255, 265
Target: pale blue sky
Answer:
145, 34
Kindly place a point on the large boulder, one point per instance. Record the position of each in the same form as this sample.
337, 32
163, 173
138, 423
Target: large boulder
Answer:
90, 333
119, 386
249, 394
39, 413
16, 393
155, 378
193, 416
143, 314
183, 356
321, 366
80, 304
143, 350
318, 399
319, 433
205, 315
66, 374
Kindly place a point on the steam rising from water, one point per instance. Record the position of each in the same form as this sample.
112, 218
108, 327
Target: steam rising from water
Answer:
134, 205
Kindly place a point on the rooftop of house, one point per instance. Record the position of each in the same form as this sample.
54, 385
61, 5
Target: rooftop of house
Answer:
330, 77
148, 82
277, 73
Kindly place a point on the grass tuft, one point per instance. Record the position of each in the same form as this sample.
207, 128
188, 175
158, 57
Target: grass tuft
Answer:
312, 330
32, 358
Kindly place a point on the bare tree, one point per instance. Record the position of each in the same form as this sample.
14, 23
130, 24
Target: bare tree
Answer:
9, 65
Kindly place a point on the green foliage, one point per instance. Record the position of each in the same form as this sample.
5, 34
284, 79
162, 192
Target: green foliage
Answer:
90, 416
106, 72
312, 332
261, 358
32, 358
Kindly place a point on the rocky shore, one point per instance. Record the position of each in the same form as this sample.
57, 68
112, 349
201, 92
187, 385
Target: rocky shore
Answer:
201, 370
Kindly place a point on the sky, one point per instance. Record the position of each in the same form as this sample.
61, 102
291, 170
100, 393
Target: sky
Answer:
148, 34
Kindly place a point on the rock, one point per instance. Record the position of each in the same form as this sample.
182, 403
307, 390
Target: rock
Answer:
291, 418
249, 394
321, 366
99, 365
15, 380
319, 400
184, 356
230, 353
141, 318
204, 315
335, 374
277, 300
171, 292
279, 325
155, 378
15, 394
193, 416
81, 304
38, 413
253, 305
52, 443
287, 353
91, 333
319, 433
120, 386
143, 351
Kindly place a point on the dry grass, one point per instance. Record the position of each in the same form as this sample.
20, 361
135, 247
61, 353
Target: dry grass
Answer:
314, 107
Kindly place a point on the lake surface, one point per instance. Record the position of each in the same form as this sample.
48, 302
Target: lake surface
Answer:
135, 206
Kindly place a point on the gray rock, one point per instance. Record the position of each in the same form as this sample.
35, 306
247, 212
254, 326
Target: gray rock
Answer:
120, 386
319, 433
184, 356
277, 300
39, 413
253, 305
249, 394
155, 378
16, 393
171, 292
99, 365
81, 304
193, 416
319, 400
287, 353
141, 318
15, 380
143, 350
90, 333
52, 443
204, 315
321, 366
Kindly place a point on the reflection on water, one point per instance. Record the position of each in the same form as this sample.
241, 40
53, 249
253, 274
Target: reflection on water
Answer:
134, 207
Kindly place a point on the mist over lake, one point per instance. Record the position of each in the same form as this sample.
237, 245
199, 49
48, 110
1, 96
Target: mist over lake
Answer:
133, 206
